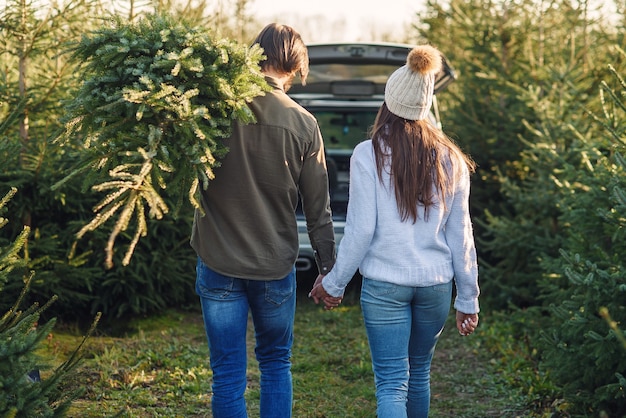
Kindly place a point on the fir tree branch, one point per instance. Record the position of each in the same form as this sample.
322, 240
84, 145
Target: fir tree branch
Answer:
158, 97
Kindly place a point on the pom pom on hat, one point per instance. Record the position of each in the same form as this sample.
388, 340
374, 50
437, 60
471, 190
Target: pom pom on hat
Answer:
424, 59
409, 90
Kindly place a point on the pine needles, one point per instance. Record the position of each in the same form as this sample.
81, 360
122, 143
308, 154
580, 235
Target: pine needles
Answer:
157, 99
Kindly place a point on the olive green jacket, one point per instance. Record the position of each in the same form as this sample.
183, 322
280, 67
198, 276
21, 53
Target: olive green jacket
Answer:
249, 227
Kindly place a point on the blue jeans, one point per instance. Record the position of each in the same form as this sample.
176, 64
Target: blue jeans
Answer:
403, 325
226, 302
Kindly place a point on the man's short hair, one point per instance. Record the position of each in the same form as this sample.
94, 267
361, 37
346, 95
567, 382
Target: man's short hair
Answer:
284, 49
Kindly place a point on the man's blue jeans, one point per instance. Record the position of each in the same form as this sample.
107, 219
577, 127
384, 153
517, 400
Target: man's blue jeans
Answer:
226, 302
403, 325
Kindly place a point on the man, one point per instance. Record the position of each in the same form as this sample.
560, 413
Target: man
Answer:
247, 239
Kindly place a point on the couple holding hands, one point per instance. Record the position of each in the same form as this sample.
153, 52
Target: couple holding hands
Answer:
408, 232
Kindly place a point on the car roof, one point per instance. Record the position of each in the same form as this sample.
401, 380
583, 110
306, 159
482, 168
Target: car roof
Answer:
356, 70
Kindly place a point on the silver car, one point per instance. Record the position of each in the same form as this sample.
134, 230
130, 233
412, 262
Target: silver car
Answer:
344, 90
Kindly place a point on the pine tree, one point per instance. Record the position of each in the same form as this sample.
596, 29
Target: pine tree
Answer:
37, 77
507, 110
551, 184
584, 353
158, 97
22, 391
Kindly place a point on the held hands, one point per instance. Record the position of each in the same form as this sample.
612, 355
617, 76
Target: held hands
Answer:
466, 323
319, 294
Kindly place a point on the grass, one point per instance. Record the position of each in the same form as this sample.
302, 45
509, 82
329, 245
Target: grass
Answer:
159, 368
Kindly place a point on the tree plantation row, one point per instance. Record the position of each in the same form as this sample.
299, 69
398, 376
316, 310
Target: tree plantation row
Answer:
98, 216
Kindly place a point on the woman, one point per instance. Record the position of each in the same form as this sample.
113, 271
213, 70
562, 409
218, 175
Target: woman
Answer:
409, 233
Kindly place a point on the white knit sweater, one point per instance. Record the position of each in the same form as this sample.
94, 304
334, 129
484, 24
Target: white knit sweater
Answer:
418, 254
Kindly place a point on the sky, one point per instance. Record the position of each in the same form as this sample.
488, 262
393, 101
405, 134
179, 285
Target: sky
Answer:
350, 20
328, 20
340, 20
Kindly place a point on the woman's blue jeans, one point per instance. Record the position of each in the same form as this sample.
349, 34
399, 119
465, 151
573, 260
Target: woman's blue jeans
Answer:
226, 302
403, 325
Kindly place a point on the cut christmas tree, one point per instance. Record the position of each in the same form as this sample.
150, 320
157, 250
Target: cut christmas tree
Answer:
158, 96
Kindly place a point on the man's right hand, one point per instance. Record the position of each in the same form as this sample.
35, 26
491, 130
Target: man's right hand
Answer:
318, 293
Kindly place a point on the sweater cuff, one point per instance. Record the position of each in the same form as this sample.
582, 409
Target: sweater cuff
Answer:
331, 289
466, 306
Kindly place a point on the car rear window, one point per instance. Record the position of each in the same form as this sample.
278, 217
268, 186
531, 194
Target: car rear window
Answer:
343, 130
377, 73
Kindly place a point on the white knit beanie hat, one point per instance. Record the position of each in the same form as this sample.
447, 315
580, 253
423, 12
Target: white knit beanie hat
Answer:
409, 90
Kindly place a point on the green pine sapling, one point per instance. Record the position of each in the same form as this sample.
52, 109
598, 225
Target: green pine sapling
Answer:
21, 335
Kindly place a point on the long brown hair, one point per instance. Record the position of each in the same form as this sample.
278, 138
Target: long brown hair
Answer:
421, 159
